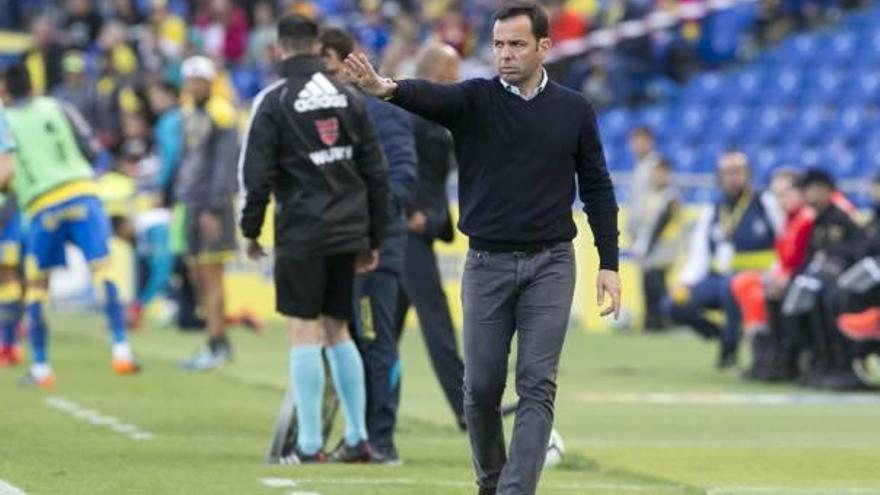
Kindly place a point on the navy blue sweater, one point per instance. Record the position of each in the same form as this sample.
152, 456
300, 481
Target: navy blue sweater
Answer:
518, 161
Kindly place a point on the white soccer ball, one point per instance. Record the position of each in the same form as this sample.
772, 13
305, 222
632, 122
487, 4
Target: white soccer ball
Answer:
623, 323
555, 450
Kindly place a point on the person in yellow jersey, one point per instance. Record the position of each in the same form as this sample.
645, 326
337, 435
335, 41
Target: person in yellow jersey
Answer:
54, 182
205, 185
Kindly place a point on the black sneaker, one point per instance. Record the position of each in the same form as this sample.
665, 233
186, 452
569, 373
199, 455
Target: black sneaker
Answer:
351, 454
387, 457
727, 359
297, 457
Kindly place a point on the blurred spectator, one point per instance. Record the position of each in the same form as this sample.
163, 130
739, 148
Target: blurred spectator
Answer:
114, 44
262, 35
564, 23
78, 89
43, 61
759, 294
126, 12
656, 243
860, 320
107, 115
597, 85
373, 33
223, 27
827, 354
735, 234
82, 24
641, 145
632, 60
168, 133
170, 30
454, 31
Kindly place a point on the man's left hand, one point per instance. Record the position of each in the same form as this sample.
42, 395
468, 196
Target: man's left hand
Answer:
608, 282
254, 250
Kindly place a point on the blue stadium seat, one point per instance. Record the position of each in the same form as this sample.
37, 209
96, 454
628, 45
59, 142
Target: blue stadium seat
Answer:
746, 84
685, 159
732, 122
704, 90
843, 162
246, 81
770, 126
812, 122
654, 116
854, 121
615, 124
690, 122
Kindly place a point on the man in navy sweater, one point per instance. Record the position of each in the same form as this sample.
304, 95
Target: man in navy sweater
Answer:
521, 141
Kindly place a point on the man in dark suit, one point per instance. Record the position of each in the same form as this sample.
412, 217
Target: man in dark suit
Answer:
429, 220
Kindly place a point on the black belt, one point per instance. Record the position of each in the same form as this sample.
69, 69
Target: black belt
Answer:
507, 247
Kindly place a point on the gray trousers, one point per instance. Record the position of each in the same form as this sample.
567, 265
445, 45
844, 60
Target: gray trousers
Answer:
503, 294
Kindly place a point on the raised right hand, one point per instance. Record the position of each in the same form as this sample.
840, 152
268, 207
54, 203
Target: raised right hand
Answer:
361, 71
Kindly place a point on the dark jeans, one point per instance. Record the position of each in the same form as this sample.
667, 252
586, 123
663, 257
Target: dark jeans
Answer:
373, 325
424, 290
503, 294
713, 292
654, 287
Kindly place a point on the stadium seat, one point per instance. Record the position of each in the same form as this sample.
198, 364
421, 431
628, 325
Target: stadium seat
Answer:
654, 116
615, 124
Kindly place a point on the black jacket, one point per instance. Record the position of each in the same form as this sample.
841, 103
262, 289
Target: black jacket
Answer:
310, 145
834, 234
436, 155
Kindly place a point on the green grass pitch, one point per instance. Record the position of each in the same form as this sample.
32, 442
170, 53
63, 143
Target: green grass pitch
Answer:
639, 415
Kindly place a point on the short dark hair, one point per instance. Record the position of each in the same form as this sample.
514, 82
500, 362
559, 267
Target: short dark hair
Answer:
817, 176
297, 33
18, 81
338, 40
536, 14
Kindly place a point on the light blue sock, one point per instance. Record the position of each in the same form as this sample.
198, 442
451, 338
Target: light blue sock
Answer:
38, 332
307, 378
115, 312
347, 369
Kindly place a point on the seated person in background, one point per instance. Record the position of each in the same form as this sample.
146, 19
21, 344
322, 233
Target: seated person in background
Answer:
759, 294
735, 234
655, 244
860, 321
826, 355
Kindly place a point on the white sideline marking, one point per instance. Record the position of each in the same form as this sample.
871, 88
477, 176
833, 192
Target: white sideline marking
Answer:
7, 488
576, 487
783, 490
279, 482
709, 399
97, 419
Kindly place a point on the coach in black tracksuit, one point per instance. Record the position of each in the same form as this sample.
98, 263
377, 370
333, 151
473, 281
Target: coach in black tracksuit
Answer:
311, 146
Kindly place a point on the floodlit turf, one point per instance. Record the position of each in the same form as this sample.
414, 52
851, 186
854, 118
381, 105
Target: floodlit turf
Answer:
211, 430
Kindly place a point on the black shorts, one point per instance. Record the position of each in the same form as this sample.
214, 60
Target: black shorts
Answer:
311, 287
